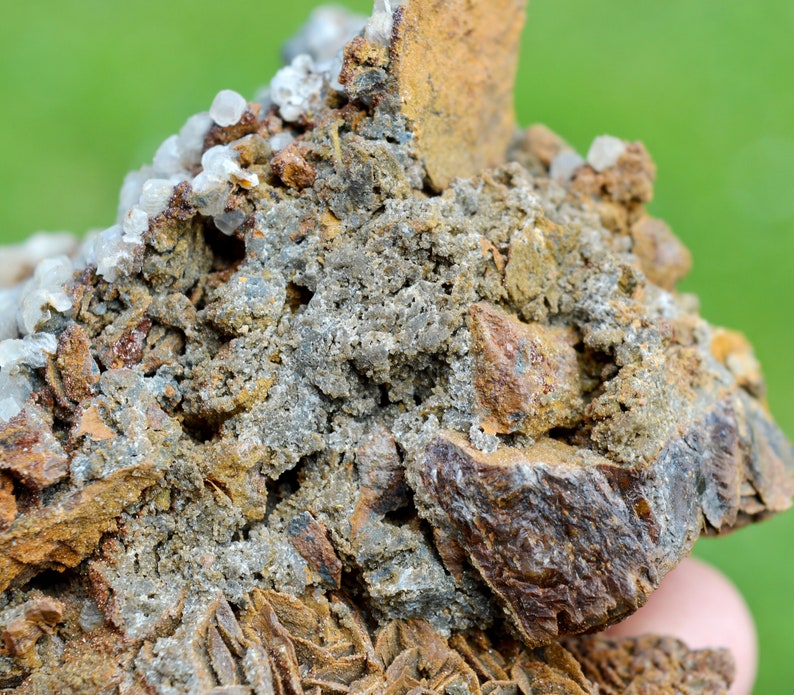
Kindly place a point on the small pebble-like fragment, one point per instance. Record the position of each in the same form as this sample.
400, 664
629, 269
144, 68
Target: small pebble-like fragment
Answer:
627, 182
310, 538
526, 376
30, 451
663, 258
293, 169
79, 372
37, 617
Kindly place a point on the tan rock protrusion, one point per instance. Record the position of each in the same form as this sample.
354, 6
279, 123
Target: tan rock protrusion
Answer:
455, 63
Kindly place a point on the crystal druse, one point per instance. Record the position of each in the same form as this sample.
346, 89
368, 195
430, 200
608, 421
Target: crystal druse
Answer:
368, 391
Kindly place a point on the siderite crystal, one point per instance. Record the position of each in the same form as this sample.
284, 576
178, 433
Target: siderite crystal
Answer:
368, 391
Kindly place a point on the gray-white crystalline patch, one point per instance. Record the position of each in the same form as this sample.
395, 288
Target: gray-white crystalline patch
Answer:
324, 34
297, 89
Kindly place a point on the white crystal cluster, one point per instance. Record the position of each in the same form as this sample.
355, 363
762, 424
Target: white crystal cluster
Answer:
17, 358
212, 187
43, 293
298, 89
24, 308
324, 35
147, 192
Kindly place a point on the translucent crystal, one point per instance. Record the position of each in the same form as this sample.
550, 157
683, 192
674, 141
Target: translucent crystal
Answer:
228, 108
191, 138
16, 355
209, 193
9, 301
220, 161
280, 140
564, 164
227, 222
112, 254
135, 223
605, 152
379, 26
19, 257
221, 167
44, 291
155, 195
86, 255
30, 351
10, 405
168, 158
131, 189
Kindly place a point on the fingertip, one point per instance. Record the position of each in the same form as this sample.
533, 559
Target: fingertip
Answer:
702, 607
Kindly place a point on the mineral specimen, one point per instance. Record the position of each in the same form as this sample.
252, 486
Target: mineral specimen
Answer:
368, 391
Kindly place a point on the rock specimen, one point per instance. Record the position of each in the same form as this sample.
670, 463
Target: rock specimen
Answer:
368, 391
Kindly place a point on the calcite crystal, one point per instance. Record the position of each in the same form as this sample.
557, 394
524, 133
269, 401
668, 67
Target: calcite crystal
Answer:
369, 391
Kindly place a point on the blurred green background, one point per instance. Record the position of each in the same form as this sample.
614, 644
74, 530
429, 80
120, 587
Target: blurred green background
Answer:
90, 88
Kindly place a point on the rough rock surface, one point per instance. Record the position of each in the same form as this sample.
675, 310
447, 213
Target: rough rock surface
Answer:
313, 417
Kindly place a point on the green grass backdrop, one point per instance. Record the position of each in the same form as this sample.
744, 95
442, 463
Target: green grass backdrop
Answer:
89, 89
